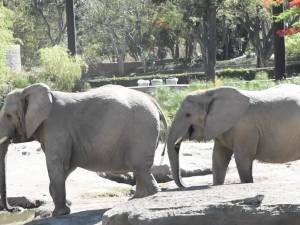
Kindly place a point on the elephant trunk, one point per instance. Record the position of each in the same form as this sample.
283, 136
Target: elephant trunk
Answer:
174, 142
3, 151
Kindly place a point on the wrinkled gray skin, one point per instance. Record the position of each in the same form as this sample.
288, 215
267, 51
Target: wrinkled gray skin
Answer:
262, 125
111, 128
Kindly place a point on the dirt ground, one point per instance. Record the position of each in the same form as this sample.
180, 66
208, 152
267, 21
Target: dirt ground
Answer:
27, 176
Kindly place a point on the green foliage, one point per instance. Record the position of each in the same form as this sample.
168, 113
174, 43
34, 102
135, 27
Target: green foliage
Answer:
6, 24
290, 15
168, 25
169, 100
292, 44
29, 35
20, 80
58, 68
6, 36
13, 80
245, 74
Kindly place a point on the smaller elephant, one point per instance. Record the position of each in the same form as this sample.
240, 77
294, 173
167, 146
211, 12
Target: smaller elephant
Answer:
262, 125
111, 128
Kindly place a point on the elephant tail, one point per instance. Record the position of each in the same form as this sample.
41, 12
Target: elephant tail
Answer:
163, 119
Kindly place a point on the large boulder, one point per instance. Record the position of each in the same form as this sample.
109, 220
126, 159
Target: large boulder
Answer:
246, 204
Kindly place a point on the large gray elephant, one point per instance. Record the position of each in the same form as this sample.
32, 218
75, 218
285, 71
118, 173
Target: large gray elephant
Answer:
262, 125
111, 128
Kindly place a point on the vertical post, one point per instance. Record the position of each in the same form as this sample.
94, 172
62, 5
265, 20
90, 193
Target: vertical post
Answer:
71, 26
279, 46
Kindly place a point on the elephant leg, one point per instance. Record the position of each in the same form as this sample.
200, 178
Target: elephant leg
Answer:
67, 173
221, 158
57, 187
244, 149
145, 184
244, 166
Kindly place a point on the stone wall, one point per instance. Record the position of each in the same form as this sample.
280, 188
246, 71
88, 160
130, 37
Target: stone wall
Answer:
13, 58
110, 69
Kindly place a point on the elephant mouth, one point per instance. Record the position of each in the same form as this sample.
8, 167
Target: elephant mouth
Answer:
191, 131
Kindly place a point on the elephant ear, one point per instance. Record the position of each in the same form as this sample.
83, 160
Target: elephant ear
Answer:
224, 110
38, 104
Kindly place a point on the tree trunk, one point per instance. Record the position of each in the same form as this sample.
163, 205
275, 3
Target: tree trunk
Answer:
210, 69
177, 50
258, 58
121, 67
279, 46
71, 26
121, 58
144, 61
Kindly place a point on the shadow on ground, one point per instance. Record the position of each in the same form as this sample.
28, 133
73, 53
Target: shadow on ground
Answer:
190, 188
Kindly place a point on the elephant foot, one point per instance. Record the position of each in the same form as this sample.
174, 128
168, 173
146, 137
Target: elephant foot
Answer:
145, 185
11, 209
142, 195
146, 192
60, 212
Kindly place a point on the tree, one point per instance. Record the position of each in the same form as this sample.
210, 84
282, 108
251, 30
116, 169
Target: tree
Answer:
114, 28
201, 16
256, 19
292, 17
52, 15
38, 24
168, 27
279, 46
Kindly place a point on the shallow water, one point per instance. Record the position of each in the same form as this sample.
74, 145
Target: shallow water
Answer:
17, 218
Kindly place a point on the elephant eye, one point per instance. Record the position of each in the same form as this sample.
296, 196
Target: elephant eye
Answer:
8, 116
187, 114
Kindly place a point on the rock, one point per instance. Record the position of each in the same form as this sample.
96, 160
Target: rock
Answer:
246, 204
162, 174
91, 217
22, 215
13, 58
24, 202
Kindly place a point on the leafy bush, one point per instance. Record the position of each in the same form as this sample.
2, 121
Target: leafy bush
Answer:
19, 80
58, 68
292, 44
13, 80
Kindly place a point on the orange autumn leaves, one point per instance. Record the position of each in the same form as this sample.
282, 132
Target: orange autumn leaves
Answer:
268, 3
288, 31
292, 3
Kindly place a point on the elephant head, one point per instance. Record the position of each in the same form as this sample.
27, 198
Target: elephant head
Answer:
204, 115
22, 113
